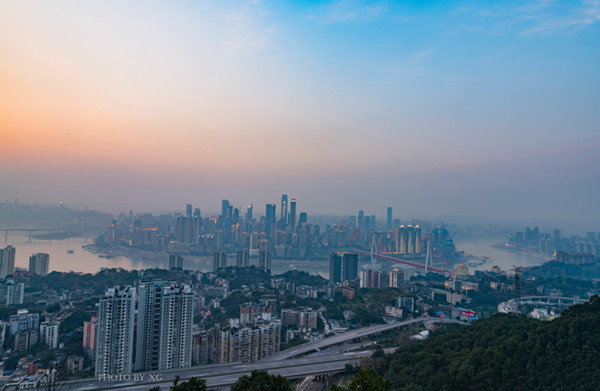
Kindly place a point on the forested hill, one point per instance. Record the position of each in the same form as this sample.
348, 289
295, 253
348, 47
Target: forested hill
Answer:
505, 352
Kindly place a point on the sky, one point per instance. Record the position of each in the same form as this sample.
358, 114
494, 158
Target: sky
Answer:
436, 108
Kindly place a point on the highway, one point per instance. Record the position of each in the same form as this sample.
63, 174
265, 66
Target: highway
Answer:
348, 336
224, 375
282, 363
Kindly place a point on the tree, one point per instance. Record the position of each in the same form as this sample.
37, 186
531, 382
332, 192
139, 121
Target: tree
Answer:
194, 384
349, 368
262, 381
368, 380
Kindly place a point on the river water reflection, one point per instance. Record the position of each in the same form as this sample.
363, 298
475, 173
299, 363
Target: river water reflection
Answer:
83, 261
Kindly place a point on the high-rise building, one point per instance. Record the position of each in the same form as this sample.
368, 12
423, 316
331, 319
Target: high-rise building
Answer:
242, 258
164, 327
249, 214
23, 321
361, 220
114, 332
302, 218
389, 218
219, 261
292, 227
11, 292
197, 213
175, 261
264, 260
49, 334
7, 261
39, 263
270, 217
186, 229
397, 278
89, 333
335, 268
224, 209
284, 209
188, 210
349, 266
246, 344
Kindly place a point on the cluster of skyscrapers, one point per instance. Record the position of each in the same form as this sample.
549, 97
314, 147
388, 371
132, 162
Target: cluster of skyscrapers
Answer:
288, 236
573, 250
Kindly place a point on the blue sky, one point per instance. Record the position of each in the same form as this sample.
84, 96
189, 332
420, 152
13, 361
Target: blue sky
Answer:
435, 108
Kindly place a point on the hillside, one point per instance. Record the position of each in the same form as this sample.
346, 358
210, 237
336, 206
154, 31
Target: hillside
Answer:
506, 352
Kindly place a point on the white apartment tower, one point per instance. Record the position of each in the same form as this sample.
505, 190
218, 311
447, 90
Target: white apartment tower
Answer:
7, 261
114, 332
164, 329
39, 263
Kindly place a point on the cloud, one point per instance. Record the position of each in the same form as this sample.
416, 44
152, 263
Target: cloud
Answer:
550, 20
349, 11
420, 57
246, 28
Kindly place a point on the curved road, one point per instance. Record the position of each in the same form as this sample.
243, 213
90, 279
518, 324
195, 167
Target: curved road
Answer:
348, 336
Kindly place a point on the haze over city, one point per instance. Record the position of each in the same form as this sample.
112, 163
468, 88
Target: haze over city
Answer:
449, 108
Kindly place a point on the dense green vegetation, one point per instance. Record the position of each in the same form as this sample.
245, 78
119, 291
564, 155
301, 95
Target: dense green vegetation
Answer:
552, 269
505, 352
367, 305
303, 278
262, 381
100, 281
365, 380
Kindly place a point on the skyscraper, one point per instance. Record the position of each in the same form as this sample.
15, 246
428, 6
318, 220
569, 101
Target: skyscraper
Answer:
292, 227
114, 333
249, 214
349, 266
188, 210
361, 220
302, 218
7, 261
335, 268
284, 209
39, 263
175, 261
389, 218
164, 328
270, 217
224, 209
264, 260
219, 260
242, 258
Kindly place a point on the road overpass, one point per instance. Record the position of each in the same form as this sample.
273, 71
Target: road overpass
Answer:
509, 306
226, 375
349, 336
281, 363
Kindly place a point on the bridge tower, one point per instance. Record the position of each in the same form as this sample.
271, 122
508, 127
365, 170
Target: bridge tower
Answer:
429, 255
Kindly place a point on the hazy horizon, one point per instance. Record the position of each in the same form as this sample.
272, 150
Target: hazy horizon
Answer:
444, 109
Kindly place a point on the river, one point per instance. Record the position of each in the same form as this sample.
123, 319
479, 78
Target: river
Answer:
83, 261
505, 259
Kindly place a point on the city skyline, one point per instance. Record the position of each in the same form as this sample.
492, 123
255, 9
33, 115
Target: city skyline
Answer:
443, 109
